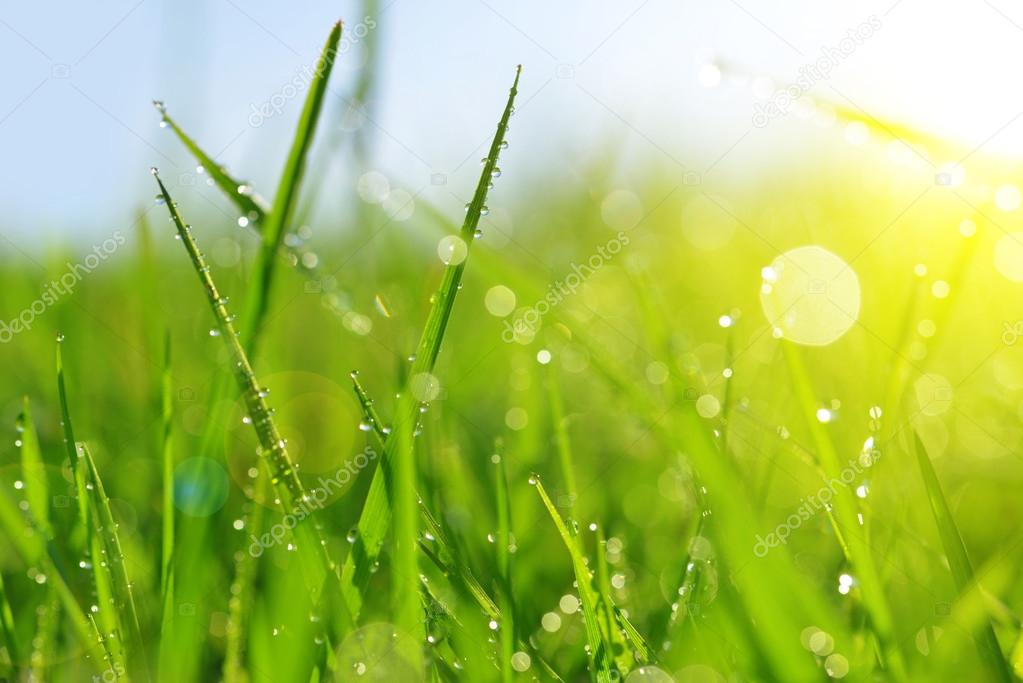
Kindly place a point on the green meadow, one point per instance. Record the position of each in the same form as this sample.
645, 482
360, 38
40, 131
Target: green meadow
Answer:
663, 425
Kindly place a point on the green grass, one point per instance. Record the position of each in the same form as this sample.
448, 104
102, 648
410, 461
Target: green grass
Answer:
562, 507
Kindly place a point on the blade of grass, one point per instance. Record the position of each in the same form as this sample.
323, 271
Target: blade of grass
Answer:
456, 569
106, 618
253, 207
503, 557
7, 626
599, 651
273, 448
272, 223
167, 453
614, 630
375, 517
33, 470
166, 656
114, 558
288, 189
561, 439
28, 541
845, 520
254, 210
37, 494
958, 559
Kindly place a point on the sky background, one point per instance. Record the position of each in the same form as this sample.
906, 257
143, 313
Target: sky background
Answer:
78, 132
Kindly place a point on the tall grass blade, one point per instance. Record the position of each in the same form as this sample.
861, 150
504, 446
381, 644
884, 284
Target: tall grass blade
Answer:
37, 495
503, 557
254, 210
106, 618
253, 207
114, 558
844, 518
273, 448
33, 471
166, 655
600, 649
958, 559
375, 517
7, 627
288, 188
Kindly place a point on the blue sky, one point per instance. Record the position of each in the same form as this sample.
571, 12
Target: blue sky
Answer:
78, 133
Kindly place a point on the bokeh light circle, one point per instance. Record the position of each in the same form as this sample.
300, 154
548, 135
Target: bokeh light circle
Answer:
1009, 256
810, 295
200, 486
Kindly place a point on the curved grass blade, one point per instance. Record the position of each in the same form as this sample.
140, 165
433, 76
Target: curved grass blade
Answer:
564, 445
114, 557
958, 560
599, 648
844, 519
254, 210
33, 470
106, 619
69, 439
253, 207
35, 551
37, 495
375, 517
167, 453
504, 593
288, 188
166, 656
273, 448
608, 617
7, 626
456, 569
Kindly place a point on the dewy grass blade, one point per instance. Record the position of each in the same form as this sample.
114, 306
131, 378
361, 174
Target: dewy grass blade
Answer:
167, 457
69, 436
33, 471
287, 189
253, 207
165, 665
106, 619
958, 560
608, 618
844, 518
561, 439
254, 210
599, 649
503, 557
7, 626
375, 518
273, 448
114, 557
35, 551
